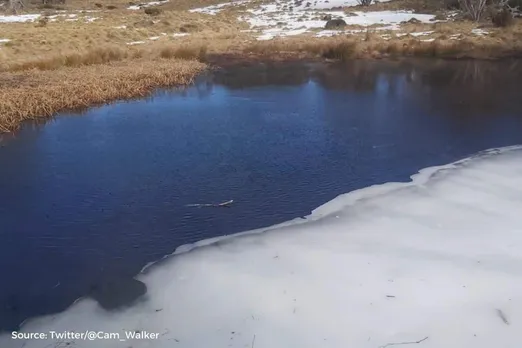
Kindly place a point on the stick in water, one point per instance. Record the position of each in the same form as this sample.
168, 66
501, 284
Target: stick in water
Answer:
224, 204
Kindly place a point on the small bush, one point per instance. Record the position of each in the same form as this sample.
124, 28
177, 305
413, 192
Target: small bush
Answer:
42, 22
98, 5
111, 7
364, 2
188, 28
342, 51
186, 52
152, 11
502, 18
473, 9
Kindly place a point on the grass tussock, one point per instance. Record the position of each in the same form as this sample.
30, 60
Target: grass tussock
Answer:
98, 55
40, 94
341, 51
184, 52
104, 55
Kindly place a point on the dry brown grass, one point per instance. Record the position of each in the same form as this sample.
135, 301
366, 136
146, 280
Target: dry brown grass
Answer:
104, 55
40, 94
31, 41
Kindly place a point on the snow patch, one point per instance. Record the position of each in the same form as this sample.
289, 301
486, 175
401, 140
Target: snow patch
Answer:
455, 37
19, 18
215, 9
267, 17
4, 40
180, 34
135, 43
326, 4
479, 32
148, 4
421, 33
399, 262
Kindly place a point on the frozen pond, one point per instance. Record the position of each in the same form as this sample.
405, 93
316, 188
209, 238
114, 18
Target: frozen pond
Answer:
88, 201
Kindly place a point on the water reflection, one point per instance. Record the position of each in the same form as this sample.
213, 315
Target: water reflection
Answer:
462, 87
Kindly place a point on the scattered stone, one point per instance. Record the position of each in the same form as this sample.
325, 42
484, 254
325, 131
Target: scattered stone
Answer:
326, 18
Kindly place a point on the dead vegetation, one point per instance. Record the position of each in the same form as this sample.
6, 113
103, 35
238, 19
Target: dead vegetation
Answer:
40, 94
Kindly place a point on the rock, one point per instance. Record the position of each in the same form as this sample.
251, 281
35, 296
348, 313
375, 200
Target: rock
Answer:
326, 18
414, 21
152, 11
98, 5
119, 293
350, 14
111, 7
335, 24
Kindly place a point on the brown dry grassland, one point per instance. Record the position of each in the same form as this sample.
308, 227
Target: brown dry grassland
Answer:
49, 66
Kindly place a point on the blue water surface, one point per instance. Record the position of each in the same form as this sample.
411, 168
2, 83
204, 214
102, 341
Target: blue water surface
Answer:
93, 197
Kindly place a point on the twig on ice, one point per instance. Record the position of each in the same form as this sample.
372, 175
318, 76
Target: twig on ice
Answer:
502, 316
253, 341
396, 344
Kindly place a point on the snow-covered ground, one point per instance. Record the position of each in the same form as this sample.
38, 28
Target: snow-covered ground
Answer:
68, 17
294, 17
436, 261
214, 9
321, 4
18, 18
